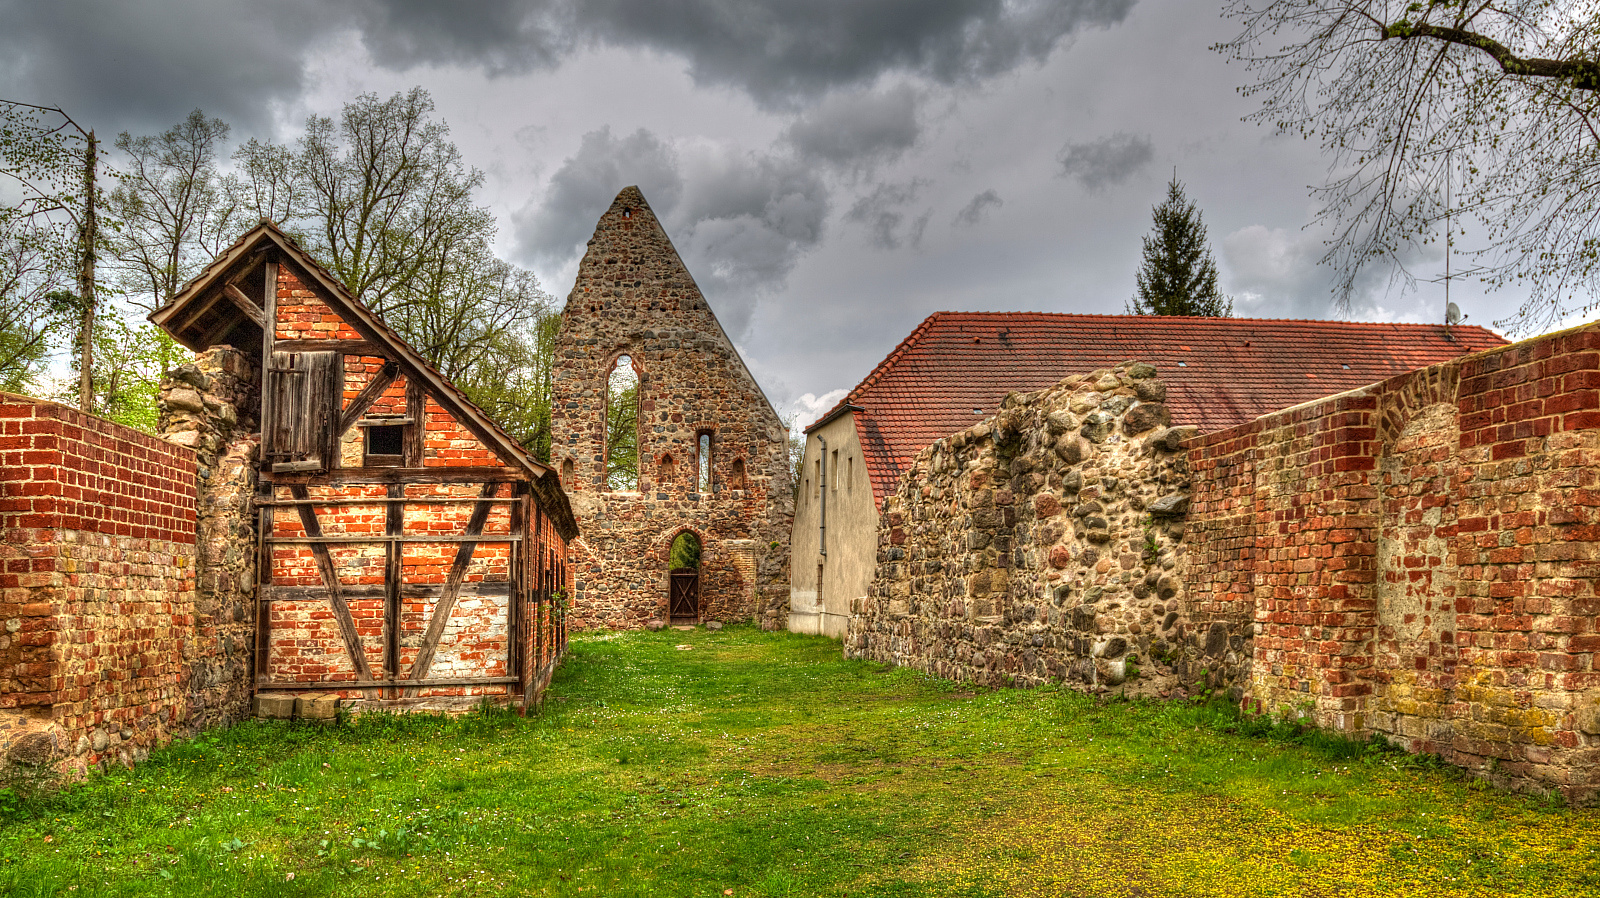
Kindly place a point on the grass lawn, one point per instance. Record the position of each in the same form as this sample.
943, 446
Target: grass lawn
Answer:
746, 763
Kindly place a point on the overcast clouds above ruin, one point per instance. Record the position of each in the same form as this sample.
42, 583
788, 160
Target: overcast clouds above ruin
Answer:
831, 170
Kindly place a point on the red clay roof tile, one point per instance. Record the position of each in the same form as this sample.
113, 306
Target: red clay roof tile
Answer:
956, 367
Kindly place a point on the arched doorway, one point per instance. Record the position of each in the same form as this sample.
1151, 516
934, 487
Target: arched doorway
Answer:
683, 595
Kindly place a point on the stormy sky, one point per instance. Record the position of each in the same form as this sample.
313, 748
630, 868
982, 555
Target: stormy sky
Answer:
831, 170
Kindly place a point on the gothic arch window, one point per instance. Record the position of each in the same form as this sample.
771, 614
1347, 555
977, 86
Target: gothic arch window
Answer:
667, 471
736, 476
703, 462
622, 426
566, 474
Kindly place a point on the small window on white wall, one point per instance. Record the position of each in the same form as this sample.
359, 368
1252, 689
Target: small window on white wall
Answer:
850, 481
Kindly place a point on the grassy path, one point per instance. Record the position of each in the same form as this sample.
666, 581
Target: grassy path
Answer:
698, 763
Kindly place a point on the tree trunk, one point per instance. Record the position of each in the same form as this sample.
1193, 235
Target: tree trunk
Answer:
88, 236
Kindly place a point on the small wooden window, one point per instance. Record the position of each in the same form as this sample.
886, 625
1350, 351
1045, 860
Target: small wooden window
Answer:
386, 445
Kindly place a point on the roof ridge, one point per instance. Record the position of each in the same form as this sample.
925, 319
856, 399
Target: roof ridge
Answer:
883, 367
1215, 318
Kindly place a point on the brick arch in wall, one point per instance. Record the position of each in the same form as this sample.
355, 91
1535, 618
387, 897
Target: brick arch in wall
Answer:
661, 559
1414, 641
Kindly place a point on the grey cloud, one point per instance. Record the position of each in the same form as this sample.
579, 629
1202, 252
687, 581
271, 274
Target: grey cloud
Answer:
744, 221
500, 36
1277, 273
586, 183
125, 66
740, 220
1110, 160
858, 127
880, 213
777, 51
972, 213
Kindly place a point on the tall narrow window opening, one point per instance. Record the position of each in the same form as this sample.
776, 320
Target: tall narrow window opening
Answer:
835, 462
737, 478
622, 426
703, 482
850, 480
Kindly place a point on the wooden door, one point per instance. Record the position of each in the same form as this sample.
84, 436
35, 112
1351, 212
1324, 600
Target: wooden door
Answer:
684, 599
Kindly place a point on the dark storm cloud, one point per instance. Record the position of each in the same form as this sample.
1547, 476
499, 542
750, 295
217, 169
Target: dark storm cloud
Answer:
777, 51
973, 212
583, 188
881, 213
500, 36
740, 220
851, 128
141, 67
1109, 160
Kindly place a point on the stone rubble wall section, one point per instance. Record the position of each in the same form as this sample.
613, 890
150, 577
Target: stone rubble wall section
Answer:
97, 588
1420, 559
1045, 544
633, 296
213, 407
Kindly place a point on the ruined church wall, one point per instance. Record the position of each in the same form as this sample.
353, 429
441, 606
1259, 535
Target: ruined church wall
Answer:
634, 297
1045, 544
1421, 558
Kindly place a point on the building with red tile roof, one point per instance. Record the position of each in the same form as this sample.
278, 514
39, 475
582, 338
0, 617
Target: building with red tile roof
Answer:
953, 370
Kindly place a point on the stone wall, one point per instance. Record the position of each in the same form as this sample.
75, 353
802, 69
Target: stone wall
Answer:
1419, 557
212, 407
634, 297
1046, 544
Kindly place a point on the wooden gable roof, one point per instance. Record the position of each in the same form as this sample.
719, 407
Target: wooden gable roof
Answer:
224, 305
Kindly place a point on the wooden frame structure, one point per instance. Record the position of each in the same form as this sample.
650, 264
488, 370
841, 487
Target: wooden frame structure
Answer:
408, 548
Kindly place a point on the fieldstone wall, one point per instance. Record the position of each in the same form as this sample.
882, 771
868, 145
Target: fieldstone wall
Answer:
634, 297
212, 406
1046, 544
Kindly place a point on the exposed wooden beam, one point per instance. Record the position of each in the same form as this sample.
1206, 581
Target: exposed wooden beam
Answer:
384, 500
342, 538
492, 590
447, 601
245, 305
363, 401
415, 436
330, 579
393, 572
324, 685
347, 347
407, 475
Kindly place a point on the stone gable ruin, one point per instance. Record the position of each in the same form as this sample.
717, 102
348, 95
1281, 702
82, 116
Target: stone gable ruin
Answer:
709, 450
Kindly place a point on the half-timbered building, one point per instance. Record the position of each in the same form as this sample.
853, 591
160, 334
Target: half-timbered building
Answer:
409, 548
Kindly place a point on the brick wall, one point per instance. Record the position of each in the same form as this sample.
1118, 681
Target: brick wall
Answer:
1419, 558
98, 590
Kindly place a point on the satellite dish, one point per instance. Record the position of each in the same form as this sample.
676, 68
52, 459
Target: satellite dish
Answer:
1452, 314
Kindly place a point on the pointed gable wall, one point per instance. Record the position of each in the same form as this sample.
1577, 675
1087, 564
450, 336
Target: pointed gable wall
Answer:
633, 296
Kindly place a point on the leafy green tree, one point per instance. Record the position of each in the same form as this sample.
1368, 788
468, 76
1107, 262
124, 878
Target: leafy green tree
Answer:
622, 427
55, 165
1495, 103
383, 199
685, 551
35, 305
1178, 275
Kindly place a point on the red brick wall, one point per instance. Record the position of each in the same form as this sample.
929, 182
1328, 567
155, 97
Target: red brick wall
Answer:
98, 582
1419, 558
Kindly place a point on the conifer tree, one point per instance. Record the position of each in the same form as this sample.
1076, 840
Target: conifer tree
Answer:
1178, 275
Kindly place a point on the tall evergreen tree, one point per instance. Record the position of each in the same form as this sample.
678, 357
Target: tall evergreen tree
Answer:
1178, 275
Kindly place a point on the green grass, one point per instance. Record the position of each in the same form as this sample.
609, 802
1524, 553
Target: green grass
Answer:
763, 764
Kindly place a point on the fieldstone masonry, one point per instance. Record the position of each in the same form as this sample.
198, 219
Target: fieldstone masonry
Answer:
634, 297
1415, 560
1046, 544
213, 406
